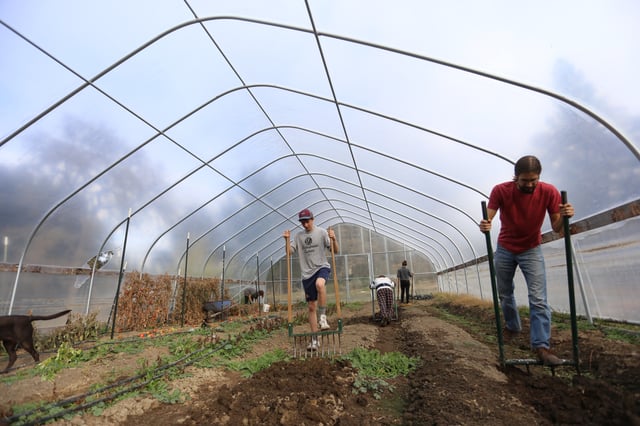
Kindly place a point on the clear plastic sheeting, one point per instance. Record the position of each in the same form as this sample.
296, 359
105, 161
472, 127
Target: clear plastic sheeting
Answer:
606, 265
216, 122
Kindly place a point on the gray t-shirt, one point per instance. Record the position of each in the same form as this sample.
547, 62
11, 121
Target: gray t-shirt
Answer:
404, 274
311, 248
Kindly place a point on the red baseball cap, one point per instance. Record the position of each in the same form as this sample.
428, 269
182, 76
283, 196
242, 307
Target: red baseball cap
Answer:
305, 214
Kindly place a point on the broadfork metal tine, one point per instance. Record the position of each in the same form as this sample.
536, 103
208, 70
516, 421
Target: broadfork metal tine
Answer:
330, 344
326, 345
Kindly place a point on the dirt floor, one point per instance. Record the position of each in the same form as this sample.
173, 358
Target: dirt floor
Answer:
459, 380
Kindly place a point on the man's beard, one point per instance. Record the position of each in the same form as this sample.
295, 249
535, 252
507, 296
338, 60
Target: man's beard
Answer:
527, 189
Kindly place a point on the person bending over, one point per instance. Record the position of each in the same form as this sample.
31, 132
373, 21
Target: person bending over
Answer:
251, 295
383, 287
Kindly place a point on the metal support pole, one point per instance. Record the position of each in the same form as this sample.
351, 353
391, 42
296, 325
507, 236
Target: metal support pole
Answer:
273, 286
572, 298
184, 287
258, 284
222, 283
122, 266
494, 287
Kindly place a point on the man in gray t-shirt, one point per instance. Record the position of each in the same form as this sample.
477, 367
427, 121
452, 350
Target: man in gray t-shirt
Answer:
311, 246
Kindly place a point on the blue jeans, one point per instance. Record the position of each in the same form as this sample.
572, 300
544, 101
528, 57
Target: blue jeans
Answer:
531, 264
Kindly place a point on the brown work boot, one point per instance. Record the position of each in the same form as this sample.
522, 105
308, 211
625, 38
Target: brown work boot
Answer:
547, 357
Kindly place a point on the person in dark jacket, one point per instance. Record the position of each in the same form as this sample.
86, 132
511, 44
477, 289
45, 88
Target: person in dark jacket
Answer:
404, 276
251, 295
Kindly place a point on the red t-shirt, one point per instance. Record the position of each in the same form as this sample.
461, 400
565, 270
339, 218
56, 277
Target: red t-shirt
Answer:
522, 215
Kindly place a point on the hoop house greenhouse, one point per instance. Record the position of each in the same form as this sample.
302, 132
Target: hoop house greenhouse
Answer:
183, 138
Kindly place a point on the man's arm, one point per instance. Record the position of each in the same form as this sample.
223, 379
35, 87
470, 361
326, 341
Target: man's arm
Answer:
556, 218
485, 224
333, 241
291, 241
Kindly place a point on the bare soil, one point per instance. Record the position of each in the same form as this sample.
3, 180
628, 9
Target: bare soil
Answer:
459, 379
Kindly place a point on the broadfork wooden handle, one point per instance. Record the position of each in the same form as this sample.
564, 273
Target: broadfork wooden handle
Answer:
336, 288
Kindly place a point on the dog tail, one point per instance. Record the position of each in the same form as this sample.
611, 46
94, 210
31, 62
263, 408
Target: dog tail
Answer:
49, 317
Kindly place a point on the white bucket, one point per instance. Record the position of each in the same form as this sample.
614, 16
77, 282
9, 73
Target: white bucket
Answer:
266, 307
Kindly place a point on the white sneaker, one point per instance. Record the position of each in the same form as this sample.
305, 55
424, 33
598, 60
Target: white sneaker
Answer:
324, 325
313, 346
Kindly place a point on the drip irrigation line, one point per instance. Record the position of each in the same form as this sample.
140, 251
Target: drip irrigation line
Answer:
98, 344
185, 361
192, 358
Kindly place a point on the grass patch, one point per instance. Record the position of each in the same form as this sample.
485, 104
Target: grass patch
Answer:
624, 332
353, 306
475, 314
248, 368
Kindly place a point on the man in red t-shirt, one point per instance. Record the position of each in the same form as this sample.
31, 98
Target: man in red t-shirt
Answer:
523, 203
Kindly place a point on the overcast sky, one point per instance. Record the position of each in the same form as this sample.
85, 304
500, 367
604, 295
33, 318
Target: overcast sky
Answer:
432, 140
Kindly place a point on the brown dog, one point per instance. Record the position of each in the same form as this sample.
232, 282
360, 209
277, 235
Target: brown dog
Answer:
16, 330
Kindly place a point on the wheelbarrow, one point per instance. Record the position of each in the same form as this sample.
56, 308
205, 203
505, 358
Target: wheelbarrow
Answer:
215, 310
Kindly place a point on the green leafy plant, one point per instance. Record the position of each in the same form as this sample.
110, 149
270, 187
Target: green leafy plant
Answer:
98, 409
372, 363
374, 367
159, 389
374, 386
249, 367
78, 328
65, 357
183, 345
